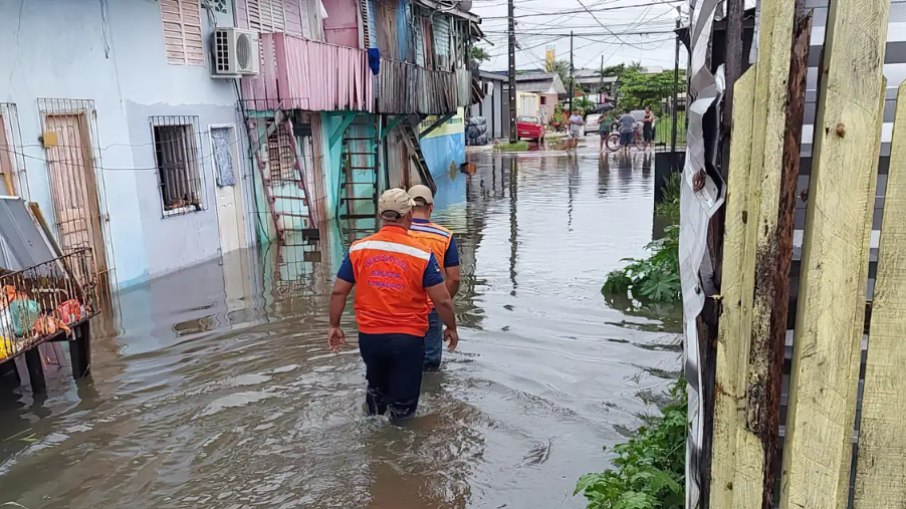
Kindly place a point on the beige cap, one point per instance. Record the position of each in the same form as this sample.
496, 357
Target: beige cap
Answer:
423, 192
395, 200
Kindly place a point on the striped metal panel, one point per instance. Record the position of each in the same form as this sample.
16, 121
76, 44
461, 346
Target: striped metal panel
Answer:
894, 70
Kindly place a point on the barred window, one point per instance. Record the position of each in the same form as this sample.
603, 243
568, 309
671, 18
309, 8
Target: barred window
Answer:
281, 156
179, 164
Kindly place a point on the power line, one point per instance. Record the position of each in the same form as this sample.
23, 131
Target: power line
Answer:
582, 11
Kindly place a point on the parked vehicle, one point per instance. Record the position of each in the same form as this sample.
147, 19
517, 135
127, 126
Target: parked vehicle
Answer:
592, 123
530, 127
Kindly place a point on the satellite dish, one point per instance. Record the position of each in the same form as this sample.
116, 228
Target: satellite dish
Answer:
465, 5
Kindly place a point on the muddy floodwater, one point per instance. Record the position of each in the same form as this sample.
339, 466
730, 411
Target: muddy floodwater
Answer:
216, 389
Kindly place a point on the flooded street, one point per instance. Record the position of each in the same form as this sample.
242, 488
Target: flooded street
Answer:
219, 390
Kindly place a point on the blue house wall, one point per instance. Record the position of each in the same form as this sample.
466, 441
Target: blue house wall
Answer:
113, 54
445, 151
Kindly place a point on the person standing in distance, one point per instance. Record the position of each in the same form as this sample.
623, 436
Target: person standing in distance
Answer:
395, 275
648, 127
442, 244
575, 129
627, 131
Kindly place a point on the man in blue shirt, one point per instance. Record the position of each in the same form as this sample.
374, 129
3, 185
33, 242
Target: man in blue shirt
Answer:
442, 244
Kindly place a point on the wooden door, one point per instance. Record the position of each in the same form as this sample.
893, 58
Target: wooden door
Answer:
74, 188
228, 196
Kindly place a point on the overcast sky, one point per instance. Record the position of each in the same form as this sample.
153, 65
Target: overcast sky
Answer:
633, 30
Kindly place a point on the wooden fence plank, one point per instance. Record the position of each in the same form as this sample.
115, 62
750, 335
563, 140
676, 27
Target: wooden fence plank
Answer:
774, 253
732, 346
880, 480
830, 317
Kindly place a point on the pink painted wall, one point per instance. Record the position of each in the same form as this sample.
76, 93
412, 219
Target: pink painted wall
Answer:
342, 23
292, 15
290, 65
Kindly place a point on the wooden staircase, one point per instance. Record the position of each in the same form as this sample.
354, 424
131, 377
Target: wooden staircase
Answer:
409, 130
359, 187
285, 189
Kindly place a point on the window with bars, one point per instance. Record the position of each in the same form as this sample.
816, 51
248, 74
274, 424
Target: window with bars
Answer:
179, 164
281, 155
266, 15
183, 36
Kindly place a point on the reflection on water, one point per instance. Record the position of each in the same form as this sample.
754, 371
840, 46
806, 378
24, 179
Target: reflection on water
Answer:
218, 390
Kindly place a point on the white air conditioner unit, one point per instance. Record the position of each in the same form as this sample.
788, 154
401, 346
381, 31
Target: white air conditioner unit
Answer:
235, 53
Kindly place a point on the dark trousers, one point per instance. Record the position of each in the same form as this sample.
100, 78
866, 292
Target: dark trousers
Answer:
434, 342
393, 367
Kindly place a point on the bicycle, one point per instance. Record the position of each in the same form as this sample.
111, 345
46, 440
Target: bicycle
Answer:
613, 139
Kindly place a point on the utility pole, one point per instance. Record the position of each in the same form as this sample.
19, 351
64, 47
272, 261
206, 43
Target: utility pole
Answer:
675, 93
571, 79
512, 71
601, 83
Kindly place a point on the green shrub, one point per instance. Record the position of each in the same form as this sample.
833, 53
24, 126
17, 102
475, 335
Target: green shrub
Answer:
649, 470
669, 207
654, 279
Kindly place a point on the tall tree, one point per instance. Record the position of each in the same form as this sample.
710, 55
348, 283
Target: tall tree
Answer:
479, 55
560, 67
637, 90
620, 69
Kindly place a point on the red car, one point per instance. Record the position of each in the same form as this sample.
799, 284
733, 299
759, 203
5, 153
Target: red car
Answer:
530, 127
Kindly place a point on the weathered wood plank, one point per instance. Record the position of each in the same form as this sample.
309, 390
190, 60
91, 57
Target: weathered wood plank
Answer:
774, 253
732, 346
881, 476
830, 317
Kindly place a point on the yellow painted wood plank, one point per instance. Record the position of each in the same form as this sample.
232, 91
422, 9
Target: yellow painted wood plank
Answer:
830, 316
881, 476
732, 343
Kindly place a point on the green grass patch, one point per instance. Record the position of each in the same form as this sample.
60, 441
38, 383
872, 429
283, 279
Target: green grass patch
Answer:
649, 470
513, 147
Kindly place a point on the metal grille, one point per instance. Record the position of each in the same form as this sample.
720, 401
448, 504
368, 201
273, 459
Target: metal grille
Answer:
222, 51
12, 157
280, 154
46, 300
179, 164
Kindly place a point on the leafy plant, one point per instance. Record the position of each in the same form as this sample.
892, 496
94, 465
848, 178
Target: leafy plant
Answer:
669, 207
653, 279
479, 55
648, 472
561, 67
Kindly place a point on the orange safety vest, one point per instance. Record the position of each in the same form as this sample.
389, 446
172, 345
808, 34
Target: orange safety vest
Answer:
389, 269
435, 237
